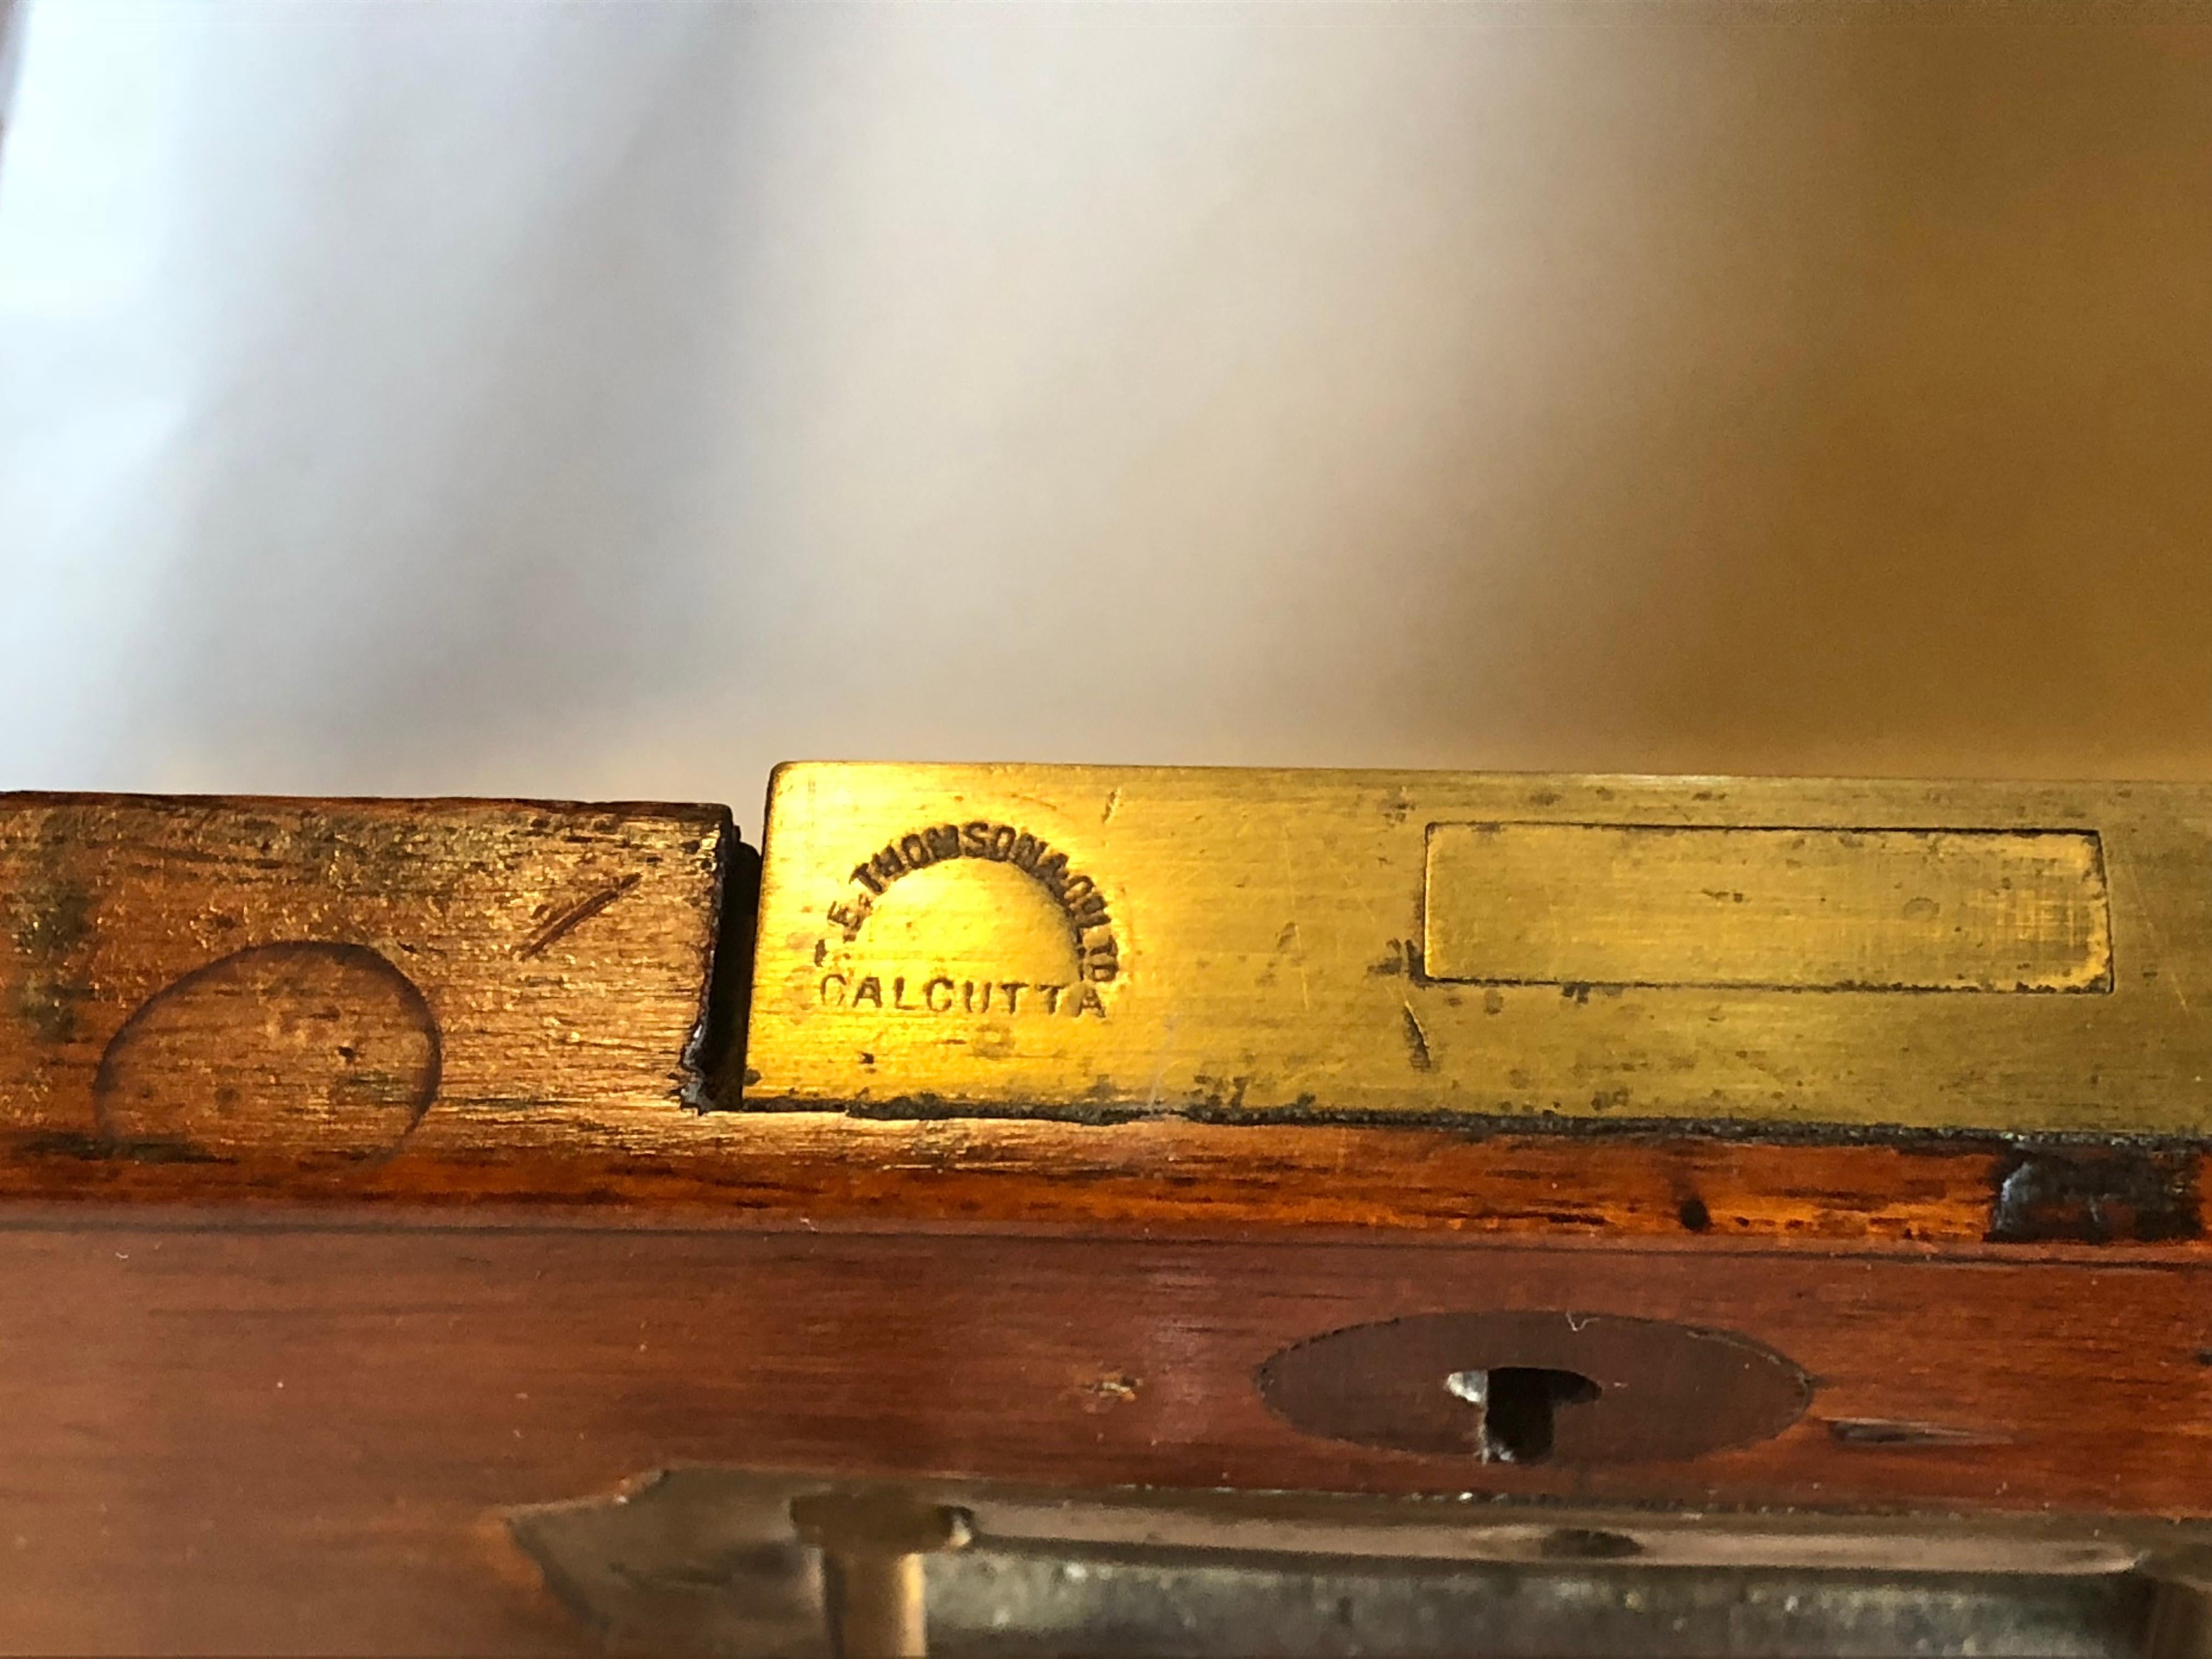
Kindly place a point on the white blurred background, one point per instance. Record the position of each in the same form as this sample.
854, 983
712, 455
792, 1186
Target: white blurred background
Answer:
612, 399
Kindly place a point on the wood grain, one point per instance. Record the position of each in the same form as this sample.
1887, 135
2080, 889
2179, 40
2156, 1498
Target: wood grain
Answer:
364, 1177
312, 985
297, 1437
735, 1169
445, 1004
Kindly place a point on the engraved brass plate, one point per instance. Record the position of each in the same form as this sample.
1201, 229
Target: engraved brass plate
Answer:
1805, 909
1766, 953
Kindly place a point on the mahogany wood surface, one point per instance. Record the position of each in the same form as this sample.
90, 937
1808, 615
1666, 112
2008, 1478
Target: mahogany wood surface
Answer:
297, 1436
363, 1175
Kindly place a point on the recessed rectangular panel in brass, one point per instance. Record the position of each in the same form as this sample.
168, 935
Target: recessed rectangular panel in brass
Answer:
1771, 954
1814, 909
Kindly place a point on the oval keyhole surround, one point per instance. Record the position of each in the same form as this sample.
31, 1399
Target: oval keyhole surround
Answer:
1533, 1388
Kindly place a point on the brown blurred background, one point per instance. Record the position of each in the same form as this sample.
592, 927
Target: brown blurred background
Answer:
597, 400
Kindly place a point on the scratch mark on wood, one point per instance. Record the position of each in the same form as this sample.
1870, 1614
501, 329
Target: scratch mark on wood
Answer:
575, 917
1882, 1432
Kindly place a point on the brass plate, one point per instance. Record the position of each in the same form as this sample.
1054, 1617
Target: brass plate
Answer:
1084, 941
1785, 910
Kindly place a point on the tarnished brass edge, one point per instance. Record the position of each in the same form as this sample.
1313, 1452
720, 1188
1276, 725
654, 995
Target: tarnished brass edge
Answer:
1484, 1126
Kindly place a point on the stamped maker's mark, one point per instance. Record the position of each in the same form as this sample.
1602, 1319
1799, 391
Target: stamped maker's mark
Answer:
1086, 923
940, 994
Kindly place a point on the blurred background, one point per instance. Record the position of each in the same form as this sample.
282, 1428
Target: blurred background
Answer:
590, 400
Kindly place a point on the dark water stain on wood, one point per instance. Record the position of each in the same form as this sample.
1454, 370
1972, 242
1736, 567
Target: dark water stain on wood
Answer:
93, 1149
2094, 1195
51, 927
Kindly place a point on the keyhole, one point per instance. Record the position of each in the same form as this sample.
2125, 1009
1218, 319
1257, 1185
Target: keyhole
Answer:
1635, 1390
1516, 1405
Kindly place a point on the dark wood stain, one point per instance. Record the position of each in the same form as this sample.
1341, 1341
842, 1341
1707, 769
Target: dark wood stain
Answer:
52, 926
2095, 1195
